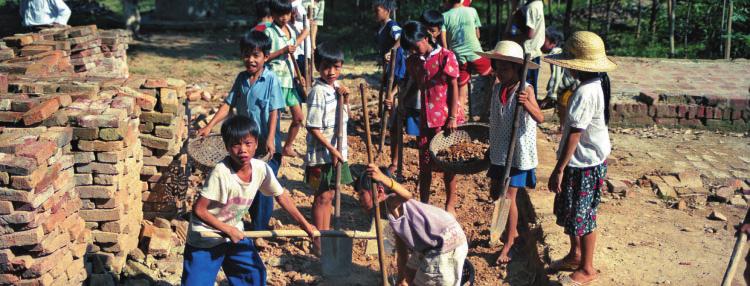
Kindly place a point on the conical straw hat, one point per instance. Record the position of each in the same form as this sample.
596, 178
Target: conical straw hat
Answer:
507, 51
584, 51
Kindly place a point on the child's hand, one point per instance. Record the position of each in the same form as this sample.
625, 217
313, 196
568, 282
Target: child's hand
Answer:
336, 157
270, 147
524, 97
291, 49
555, 180
387, 57
301, 80
388, 103
235, 234
451, 124
745, 228
342, 90
375, 173
203, 132
310, 230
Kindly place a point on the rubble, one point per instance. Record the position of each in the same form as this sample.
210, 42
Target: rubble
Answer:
717, 216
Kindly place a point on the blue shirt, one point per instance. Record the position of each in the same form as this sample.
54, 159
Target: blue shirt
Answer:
256, 101
385, 39
44, 12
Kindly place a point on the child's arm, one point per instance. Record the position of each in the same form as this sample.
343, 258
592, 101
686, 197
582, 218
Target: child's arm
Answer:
288, 205
528, 100
405, 274
218, 117
283, 52
452, 104
397, 188
444, 40
569, 147
200, 209
336, 157
273, 118
301, 37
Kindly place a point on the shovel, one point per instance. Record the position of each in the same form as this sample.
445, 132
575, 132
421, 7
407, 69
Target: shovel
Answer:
739, 247
389, 88
502, 205
339, 248
374, 191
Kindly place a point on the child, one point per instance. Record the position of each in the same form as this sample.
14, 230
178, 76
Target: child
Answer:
256, 93
322, 140
581, 166
462, 32
533, 35
435, 71
284, 43
561, 84
265, 21
507, 62
225, 198
434, 22
431, 246
388, 36
300, 18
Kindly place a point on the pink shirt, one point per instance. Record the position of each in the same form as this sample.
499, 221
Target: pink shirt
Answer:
433, 76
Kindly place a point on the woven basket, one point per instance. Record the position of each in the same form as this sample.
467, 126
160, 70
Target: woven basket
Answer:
466, 132
209, 151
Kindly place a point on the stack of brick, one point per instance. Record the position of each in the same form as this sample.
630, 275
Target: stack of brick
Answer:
108, 160
66, 51
163, 130
30, 109
43, 239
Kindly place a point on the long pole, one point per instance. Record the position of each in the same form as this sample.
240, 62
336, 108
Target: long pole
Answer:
340, 147
728, 48
389, 89
374, 191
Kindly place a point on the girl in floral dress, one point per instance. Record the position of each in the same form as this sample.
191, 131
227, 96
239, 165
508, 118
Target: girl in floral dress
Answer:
435, 71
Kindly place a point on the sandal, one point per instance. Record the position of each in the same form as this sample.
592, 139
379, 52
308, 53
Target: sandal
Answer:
562, 265
566, 280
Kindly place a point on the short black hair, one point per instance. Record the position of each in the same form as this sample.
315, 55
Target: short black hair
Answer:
412, 33
281, 7
326, 55
389, 5
432, 18
237, 127
263, 8
255, 40
554, 35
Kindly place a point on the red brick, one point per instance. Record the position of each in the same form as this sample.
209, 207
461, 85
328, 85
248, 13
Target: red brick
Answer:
718, 113
10, 116
736, 114
648, 97
96, 192
3, 83
100, 146
709, 112
701, 112
155, 83
98, 215
16, 165
39, 150
41, 112
21, 238
682, 110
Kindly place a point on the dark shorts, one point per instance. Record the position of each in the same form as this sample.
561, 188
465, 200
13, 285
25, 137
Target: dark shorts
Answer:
578, 201
482, 66
518, 178
323, 177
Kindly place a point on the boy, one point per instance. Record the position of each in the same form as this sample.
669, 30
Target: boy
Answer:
284, 42
388, 36
323, 155
560, 84
533, 36
256, 93
300, 18
462, 31
434, 22
265, 21
225, 198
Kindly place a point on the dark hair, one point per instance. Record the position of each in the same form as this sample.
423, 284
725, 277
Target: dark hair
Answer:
389, 5
553, 34
412, 33
237, 127
432, 18
255, 40
281, 7
455, 1
263, 8
326, 55
606, 87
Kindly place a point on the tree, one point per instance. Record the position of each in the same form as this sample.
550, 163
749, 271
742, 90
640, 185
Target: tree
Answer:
652, 24
670, 14
568, 13
638, 22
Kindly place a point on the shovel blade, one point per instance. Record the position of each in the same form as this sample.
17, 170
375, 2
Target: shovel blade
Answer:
499, 220
337, 256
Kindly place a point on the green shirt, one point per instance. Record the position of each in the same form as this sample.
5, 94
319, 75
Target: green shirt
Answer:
282, 66
461, 28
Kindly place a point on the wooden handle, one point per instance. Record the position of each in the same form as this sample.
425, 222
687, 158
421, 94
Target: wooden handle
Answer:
739, 246
299, 77
298, 233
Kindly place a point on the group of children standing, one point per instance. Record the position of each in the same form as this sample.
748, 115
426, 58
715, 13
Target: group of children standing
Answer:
435, 58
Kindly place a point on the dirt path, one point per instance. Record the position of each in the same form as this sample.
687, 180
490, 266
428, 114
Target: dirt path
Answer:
643, 240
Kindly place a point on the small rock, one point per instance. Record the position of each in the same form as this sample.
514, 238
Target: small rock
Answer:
180, 229
738, 201
136, 255
724, 194
604, 200
717, 216
273, 261
205, 95
687, 229
710, 230
681, 205
162, 223
261, 244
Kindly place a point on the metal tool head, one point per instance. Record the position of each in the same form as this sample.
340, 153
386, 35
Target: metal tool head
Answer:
336, 260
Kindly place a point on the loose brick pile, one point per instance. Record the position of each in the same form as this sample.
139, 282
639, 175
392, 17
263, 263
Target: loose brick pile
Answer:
711, 112
82, 51
43, 238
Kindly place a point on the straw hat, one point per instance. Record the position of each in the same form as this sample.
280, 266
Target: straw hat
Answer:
584, 51
507, 51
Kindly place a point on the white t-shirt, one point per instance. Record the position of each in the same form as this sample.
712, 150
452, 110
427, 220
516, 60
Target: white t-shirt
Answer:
231, 198
586, 111
534, 12
322, 103
299, 15
501, 125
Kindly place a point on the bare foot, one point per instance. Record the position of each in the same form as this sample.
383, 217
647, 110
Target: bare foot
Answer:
584, 277
504, 257
288, 151
567, 263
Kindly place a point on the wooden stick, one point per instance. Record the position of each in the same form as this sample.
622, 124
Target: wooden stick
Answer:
739, 247
299, 77
374, 191
389, 88
298, 233
339, 147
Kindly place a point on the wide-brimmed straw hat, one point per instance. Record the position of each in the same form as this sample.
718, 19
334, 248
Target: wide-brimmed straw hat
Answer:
507, 51
583, 51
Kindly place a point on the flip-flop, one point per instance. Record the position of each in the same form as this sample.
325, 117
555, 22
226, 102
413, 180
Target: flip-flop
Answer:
562, 265
566, 280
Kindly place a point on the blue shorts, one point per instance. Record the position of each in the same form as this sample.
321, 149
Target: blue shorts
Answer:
518, 178
241, 264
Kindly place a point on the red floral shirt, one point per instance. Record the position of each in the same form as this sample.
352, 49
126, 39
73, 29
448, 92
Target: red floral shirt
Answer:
433, 76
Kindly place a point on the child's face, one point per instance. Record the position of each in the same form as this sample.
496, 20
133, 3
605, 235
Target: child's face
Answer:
254, 60
422, 47
282, 19
381, 14
331, 72
434, 32
244, 150
506, 72
548, 45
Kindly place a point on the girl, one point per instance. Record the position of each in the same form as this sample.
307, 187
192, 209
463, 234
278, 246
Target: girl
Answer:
435, 71
581, 167
507, 62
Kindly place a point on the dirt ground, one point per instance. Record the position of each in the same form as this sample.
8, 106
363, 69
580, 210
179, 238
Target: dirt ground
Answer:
643, 240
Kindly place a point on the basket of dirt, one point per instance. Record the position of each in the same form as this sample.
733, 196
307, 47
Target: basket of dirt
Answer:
210, 150
462, 151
